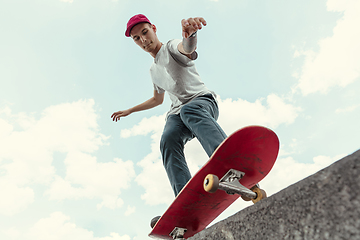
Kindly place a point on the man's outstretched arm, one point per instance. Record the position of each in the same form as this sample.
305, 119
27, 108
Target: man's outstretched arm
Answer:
156, 100
189, 33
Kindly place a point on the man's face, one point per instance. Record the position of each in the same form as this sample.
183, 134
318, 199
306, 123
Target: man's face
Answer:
144, 35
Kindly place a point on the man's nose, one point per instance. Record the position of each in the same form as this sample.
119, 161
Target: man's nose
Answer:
143, 39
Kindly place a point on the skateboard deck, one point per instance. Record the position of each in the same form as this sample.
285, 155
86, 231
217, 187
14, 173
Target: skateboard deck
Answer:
251, 150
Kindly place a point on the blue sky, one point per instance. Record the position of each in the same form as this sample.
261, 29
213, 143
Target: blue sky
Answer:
68, 172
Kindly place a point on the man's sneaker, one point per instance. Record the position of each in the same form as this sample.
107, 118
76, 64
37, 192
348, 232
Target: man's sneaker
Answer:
154, 221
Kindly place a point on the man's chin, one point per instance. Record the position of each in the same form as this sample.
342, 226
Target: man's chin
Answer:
148, 49
147, 46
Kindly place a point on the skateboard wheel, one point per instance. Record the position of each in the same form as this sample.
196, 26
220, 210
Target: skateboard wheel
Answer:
260, 194
211, 183
246, 198
252, 189
154, 221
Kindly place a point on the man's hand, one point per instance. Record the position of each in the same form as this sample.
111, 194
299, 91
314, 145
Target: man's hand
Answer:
191, 25
117, 115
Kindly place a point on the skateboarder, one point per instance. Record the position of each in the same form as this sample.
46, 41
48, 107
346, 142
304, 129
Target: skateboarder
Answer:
194, 109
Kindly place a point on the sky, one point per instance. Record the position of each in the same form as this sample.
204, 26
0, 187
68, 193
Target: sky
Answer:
67, 171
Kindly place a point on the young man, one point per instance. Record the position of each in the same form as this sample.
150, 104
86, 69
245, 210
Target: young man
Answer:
194, 110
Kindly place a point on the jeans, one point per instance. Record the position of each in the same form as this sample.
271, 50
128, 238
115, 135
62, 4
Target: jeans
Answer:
196, 119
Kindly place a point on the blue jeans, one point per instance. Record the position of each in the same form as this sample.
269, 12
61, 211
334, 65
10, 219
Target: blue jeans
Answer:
196, 119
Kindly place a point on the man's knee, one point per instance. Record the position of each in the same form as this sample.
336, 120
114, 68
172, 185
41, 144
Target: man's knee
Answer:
169, 139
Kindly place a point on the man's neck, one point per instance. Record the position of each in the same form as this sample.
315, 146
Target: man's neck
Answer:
156, 50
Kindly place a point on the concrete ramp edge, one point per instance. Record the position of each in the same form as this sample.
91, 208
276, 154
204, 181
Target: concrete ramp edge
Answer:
325, 205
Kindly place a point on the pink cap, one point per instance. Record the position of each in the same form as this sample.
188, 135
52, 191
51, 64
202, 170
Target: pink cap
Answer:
139, 18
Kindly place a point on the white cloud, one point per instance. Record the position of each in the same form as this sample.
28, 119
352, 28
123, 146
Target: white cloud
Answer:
347, 109
155, 182
153, 124
92, 179
130, 210
233, 115
110, 201
287, 171
11, 233
26, 157
337, 63
240, 113
14, 199
59, 227
5, 128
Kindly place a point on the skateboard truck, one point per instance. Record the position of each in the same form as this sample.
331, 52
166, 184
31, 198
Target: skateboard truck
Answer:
231, 185
178, 233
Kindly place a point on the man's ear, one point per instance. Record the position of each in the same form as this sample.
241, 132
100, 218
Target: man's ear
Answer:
154, 28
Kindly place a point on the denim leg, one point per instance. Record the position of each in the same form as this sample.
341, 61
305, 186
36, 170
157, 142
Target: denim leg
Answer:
200, 117
173, 139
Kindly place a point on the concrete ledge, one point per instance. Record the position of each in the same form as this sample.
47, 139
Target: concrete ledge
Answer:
325, 205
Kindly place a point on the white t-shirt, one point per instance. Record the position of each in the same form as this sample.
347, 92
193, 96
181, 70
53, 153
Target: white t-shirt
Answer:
176, 74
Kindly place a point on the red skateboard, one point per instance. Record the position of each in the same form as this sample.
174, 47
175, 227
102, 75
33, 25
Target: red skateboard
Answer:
237, 165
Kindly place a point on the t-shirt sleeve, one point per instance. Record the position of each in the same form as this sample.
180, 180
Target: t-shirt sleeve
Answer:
178, 56
158, 89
